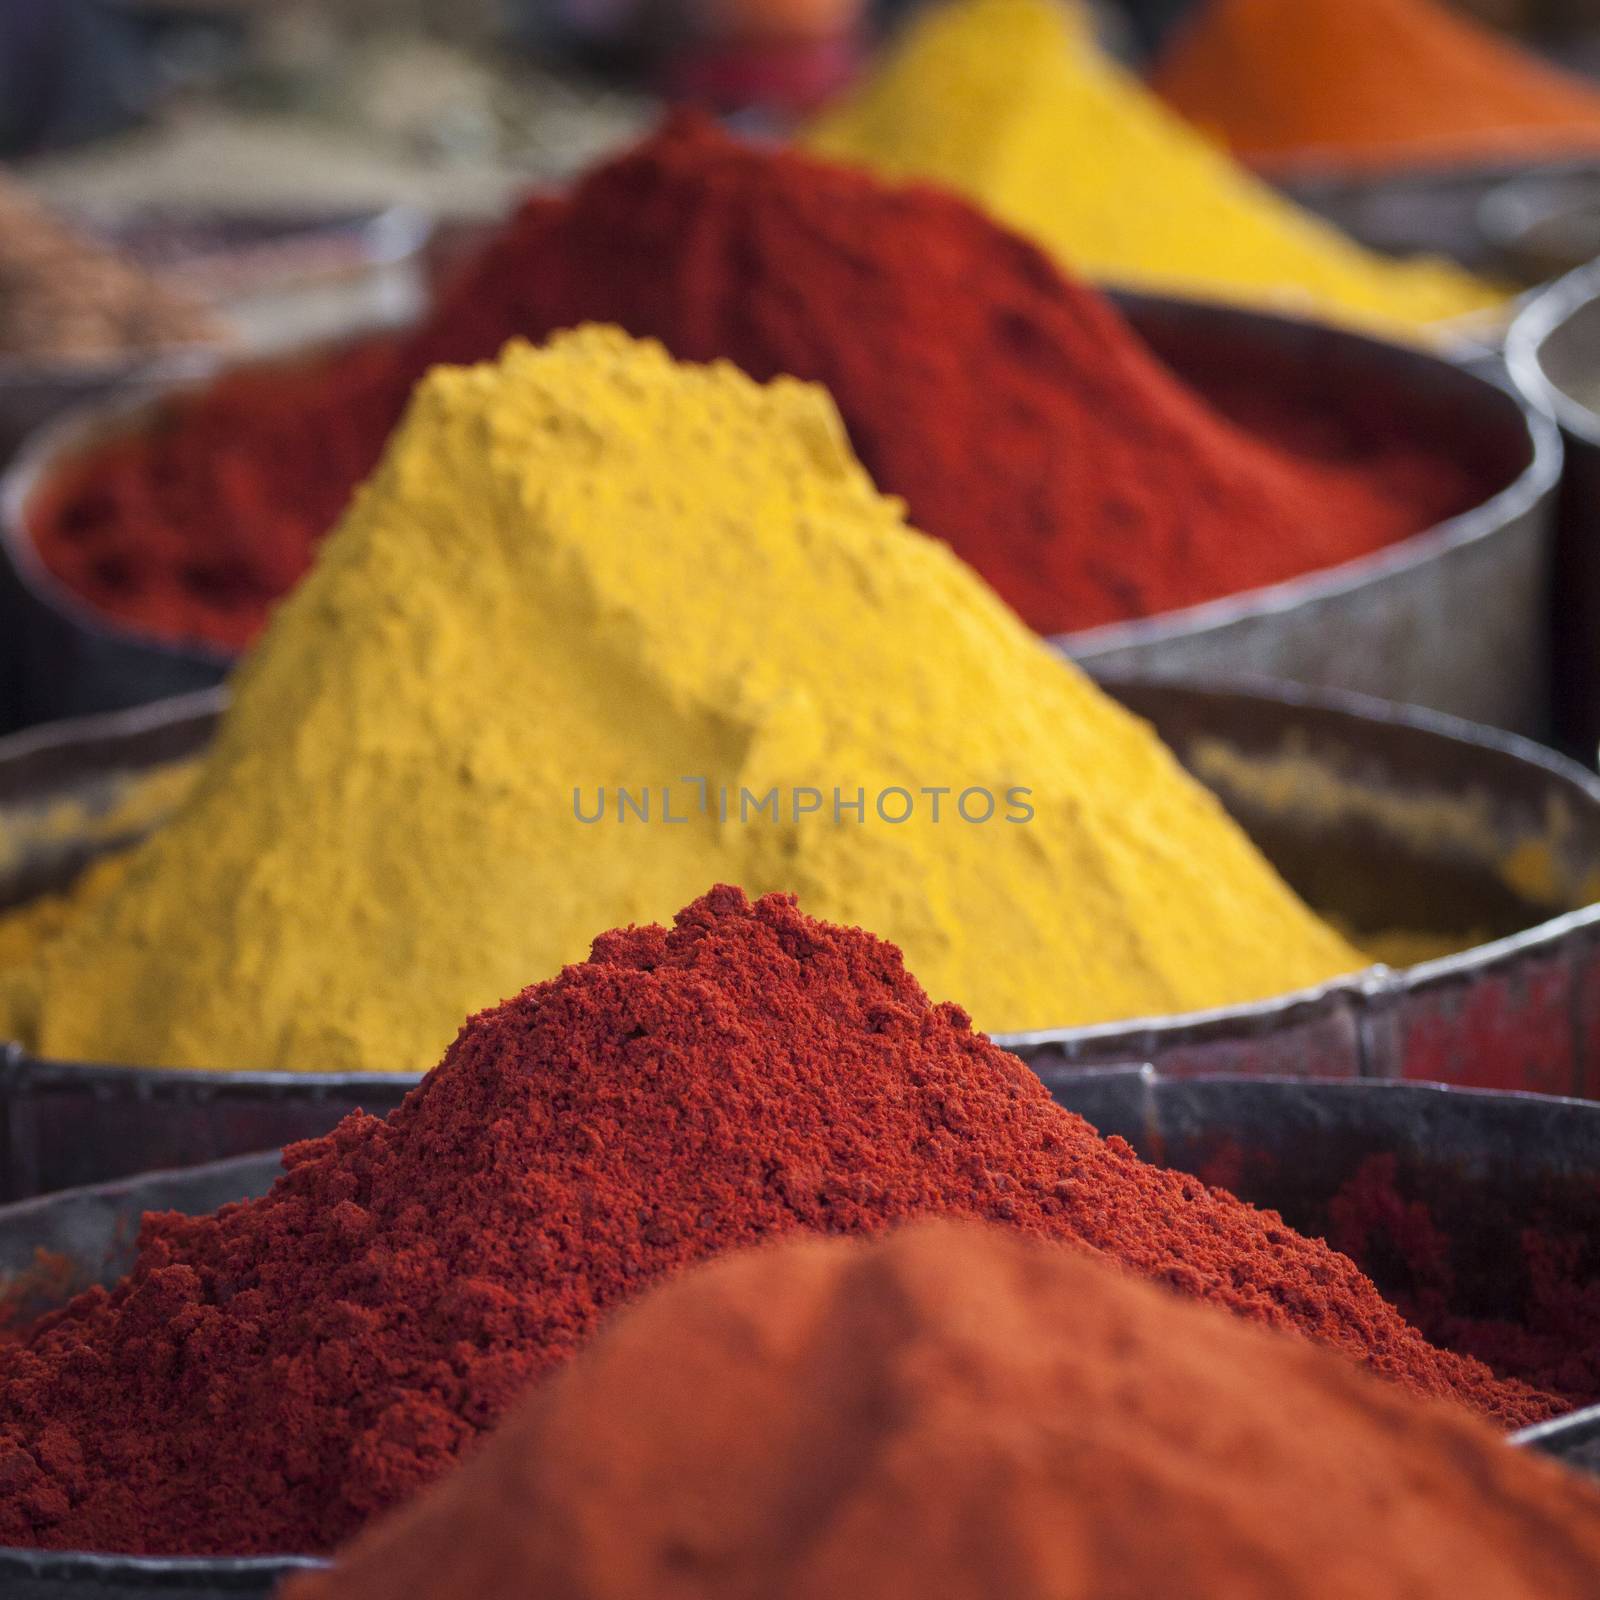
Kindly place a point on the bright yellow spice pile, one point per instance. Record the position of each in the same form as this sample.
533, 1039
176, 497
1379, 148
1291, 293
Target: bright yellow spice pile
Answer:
588, 566
1012, 103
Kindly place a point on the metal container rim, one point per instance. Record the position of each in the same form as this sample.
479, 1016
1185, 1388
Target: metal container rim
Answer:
78, 429
1545, 316
1584, 1421
388, 236
1370, 986
1316, 168
191, 360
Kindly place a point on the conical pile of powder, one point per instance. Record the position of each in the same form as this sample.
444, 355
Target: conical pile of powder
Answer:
958, 1412
586, 570
1011, 103
1377, 85
271, 1376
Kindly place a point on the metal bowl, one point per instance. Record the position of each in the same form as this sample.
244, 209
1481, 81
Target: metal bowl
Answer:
32, 391
69, 659
283, 276
1381, 816
1456, 619
90, 1234
32, 395
1502, 1158
1389, 624
1450, 210
1543, 225
1574, 1439
292, 286
1553, 352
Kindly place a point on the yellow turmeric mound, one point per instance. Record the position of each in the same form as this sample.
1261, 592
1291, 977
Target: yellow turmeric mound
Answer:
1011, 103
586, 582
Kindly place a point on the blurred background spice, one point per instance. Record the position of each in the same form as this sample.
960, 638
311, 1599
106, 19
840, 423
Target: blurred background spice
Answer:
1012, 103
1379, 84
1022, 422
64, 297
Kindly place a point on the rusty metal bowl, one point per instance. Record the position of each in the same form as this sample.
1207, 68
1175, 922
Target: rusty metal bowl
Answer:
1484, 1160
1380, 816
1553, 353
1389, 624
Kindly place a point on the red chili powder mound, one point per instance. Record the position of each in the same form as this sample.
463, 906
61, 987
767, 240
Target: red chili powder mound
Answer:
953, 1411
271, 1376
1016, 413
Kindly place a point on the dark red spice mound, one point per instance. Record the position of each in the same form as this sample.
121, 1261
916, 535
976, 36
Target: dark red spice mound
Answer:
270, 1376
1015, 411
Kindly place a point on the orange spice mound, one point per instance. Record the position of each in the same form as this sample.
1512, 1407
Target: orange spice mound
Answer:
1371, 84
955, 1411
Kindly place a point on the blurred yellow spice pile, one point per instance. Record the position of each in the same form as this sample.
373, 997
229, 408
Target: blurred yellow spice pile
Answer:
587, 566
1012, 103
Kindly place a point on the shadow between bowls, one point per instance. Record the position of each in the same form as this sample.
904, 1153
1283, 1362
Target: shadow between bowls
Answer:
1389, 624
1489, 1162
1375, 813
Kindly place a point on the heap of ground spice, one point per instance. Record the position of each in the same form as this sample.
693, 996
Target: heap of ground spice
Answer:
1371, 85
1012, 409
1012, 103
586, 571
959, 1412
64, 297
271, 1376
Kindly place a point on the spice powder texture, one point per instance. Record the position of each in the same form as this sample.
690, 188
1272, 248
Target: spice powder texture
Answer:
956, 1411
271, 1376
1371, 85
590, 568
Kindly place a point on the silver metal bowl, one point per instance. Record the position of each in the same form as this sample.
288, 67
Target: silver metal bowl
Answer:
32, 395
1456, 619
92, 1231
1543, 225
291, 285
1381, 816
68, 659
283, 278
1389, 624
1484, 1161
1553, 354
